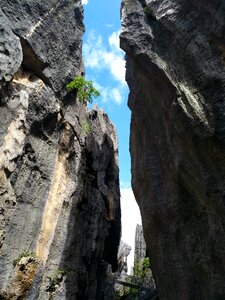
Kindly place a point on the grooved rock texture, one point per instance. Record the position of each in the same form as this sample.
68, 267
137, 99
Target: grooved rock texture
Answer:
176, 74
59, 184
140, 245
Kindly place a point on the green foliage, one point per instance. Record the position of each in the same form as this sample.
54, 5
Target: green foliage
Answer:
141, 270
117, 295
86, 127
24, 253
54, 279
141, 277
147, 10
126, 293
85, 89
146, 263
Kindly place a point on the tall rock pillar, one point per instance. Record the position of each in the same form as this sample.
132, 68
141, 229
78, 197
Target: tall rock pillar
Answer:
175, 54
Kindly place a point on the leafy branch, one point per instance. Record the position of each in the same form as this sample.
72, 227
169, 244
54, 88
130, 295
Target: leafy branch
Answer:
86, 92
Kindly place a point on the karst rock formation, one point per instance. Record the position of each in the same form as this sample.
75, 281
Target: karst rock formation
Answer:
175, 53
59, 184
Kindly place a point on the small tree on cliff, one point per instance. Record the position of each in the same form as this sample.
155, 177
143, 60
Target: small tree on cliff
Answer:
85, 90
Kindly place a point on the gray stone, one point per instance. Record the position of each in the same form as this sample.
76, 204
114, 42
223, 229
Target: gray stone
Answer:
50, 33
10, 50
124, 251
175, 71
140, 245
59, 182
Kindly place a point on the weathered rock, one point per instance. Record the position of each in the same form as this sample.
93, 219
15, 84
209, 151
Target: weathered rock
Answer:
176, 74
121, 274
10, 51
124, 251
140, 245
50, 34
59, 184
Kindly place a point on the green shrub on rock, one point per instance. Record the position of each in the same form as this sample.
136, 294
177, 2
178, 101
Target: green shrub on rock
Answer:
147, 10
85, 89
55, 279
24, 253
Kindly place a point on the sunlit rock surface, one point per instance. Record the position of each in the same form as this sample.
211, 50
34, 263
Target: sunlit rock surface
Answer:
140, 245
176, 74
59, 184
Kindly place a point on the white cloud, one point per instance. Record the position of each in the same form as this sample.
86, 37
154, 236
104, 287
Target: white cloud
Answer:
130, 218
93, 51
104, 92
114, 40
84, 2
109, 94
109, 57
100, 56
116, 95
118, 69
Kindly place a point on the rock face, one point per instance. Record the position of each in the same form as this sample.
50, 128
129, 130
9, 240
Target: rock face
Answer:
140, 245
176, 74
59, 185
124, 251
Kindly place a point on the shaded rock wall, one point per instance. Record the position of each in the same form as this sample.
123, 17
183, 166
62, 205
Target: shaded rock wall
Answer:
176, 74
59, 185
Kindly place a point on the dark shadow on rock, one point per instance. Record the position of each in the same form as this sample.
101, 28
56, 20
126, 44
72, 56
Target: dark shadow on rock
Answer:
92, 237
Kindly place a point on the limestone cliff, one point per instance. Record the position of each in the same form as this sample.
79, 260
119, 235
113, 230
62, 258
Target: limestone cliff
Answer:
59, 186
176, 74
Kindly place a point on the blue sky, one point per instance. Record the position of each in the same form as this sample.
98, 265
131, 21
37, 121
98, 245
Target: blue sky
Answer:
105, 65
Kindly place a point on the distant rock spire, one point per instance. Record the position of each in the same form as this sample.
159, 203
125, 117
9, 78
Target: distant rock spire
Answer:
140, 245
